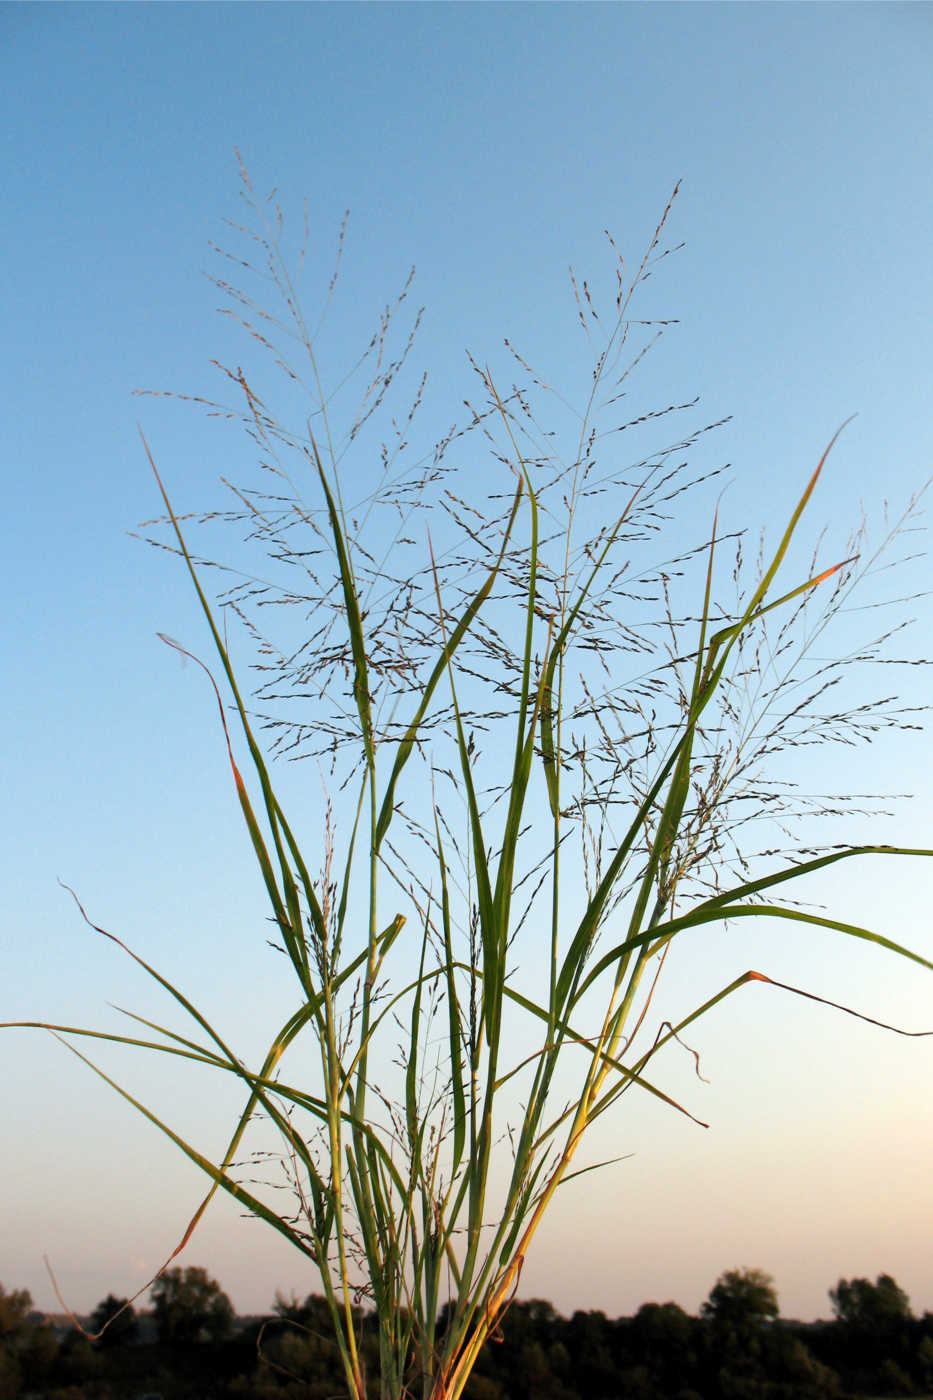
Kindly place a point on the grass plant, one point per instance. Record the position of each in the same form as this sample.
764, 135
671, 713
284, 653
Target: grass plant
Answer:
544, 770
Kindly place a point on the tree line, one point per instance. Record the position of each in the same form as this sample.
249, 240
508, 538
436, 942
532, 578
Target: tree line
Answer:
191, 1346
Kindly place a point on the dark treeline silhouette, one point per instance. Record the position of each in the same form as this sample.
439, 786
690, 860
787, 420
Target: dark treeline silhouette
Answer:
190, 1346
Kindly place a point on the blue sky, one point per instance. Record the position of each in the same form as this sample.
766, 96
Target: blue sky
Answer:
489, 145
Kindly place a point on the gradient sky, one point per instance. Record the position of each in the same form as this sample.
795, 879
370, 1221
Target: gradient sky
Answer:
490, 145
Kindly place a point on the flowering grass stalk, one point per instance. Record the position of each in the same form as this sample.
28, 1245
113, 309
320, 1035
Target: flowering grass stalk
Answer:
415, 942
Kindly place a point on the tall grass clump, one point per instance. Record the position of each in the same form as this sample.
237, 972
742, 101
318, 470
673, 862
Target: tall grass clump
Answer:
552, 751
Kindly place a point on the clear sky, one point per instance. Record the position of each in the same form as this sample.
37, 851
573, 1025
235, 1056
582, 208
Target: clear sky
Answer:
489, 145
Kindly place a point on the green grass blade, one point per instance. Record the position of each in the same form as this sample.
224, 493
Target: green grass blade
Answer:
196, 1054
793, 872
453, 1014
411, 1069
277, 823
218, 1175
354, 618
719, 913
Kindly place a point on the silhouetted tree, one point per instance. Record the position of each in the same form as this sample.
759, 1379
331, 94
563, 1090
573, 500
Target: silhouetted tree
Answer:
664, 1336
116, 1317
77, 1363
190, 1306
742, 1301
925, 1359
39, 1358
876, 1324
534, 1357
740, 1307
590, 1339
893, 1379
15, 1308
869, 1307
